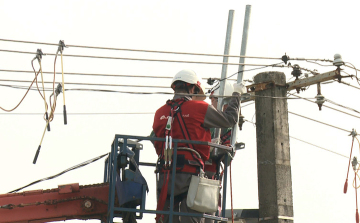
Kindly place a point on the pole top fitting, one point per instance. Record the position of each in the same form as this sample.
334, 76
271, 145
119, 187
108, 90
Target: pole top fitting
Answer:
338, 60
61, 45
353, 133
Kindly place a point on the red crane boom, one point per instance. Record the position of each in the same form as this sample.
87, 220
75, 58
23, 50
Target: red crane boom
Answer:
66, 202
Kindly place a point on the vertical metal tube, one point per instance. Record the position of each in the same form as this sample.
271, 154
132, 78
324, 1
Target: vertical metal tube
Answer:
224, 66
244, 42
242, 61
223, 208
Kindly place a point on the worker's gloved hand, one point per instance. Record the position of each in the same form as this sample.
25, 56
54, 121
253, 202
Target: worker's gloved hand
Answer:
215, 140
240, 88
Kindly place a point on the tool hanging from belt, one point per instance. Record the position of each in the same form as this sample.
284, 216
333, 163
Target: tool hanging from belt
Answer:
168, 151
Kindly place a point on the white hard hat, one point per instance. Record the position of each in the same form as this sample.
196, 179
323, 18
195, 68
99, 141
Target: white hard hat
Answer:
229, 89
190, 77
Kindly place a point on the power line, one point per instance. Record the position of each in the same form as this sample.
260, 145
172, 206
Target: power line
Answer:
348, 84
343, 106
309, 143
136, 59
92, 84
97, 74
83, 113
137, 50
326, 106
168, 52
320, 122
320, 147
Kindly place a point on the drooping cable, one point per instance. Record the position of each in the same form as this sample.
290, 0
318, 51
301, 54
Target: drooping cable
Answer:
61, 173
28, 89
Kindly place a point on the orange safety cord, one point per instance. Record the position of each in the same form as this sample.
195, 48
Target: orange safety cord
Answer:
231, 197
347, 175
10, 110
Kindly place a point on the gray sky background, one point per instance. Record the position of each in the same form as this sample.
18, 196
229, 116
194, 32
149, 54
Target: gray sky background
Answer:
301, 29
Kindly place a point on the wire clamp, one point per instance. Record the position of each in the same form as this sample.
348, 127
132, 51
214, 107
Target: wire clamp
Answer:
353, 133
285, 58
58, 89
354, 163
61, 46
39, 54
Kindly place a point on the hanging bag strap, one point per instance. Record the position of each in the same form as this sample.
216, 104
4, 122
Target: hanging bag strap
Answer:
187, 137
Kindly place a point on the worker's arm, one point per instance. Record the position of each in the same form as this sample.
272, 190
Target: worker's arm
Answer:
223, 119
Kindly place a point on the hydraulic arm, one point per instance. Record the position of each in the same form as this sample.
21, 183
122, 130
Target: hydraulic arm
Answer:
63, 203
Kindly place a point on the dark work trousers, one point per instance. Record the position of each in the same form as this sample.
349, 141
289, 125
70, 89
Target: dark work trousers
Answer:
182, 182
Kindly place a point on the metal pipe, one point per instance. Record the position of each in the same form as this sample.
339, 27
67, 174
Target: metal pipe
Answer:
224, 67
241, 67
244, 42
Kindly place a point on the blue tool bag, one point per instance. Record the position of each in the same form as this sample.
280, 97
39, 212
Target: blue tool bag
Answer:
131, 186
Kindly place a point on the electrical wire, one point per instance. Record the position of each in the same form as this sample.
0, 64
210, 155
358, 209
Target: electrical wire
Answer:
343, 106
93, 74
82, 113
356, 70
137, 50
348, 84
309, 143
92, 84
309, 61
270, 65
137, 59
320, 122
61, 173
325, 106
319, 147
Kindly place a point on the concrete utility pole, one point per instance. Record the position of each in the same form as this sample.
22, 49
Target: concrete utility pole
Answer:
273, 150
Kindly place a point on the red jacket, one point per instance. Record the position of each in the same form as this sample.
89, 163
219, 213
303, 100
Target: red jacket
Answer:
193, 113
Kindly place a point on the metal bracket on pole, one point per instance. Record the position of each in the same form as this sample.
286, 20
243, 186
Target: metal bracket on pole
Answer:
260, 86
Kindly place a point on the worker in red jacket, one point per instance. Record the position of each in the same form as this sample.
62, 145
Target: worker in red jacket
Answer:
194, 123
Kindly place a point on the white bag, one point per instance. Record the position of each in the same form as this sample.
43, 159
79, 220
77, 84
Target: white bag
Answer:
203, 194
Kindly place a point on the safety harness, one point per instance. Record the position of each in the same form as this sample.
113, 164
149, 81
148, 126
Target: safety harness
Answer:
225, 138
167, 152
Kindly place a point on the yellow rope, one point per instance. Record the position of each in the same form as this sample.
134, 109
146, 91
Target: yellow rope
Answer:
42, 80
62, 71
47, 123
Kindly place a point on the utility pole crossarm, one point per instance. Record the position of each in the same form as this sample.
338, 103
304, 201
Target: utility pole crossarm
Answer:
297, 84
313, 80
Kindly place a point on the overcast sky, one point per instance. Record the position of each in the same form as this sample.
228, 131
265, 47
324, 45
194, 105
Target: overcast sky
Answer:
301, 29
